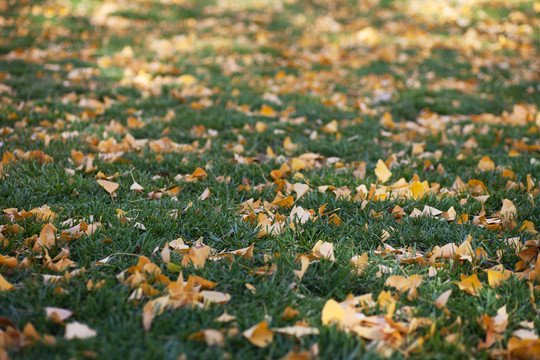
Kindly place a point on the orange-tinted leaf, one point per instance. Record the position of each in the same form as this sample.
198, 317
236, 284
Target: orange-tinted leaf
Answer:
470, 284
259, 335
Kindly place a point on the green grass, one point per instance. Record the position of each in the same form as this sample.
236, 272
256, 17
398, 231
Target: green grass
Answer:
318, 72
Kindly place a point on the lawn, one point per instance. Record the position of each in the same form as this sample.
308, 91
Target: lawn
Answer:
269, 179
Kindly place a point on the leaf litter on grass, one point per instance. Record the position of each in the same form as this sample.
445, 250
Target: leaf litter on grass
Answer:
307, 120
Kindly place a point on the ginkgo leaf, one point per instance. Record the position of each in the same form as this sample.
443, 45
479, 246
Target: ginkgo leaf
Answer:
136, 187
331, 127
289, 313
495, 278
205, 194
486, 164
297, 330
5, 285
324, 250
382, 172
332, 312
304, 261
57, 314
198, 174
441, 301
403, 284
300, 190
267, 111
109, 186
153, 308
77, 330
470, 284
225, 318
360, 263
259, 334
508, 209
217, 297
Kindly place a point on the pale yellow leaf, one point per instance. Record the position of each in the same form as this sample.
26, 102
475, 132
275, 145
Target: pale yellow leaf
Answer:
77, 330
109, 186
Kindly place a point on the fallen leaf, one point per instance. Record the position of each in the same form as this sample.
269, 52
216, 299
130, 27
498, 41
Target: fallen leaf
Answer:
508, 210
470, 284
486, 164
495, 278
304, 260
297, 330
77, 330
205, 194
324, 250
259, 335
332, 312
109, 186
56, 313
382, 172
217, 297
5, 285
153, 308
300, 189
441, 301
136, 187
289, 313
403, 284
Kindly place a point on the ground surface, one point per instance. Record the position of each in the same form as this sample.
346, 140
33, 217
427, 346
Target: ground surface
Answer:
202, 179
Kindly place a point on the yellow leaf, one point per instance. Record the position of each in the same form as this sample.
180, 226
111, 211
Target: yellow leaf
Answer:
417, 190
109, 186
331, 127
259, 335
288, 145
5, 285
332, 312
486, 164
402, 284
197, 256
382, 172
324, 250
470, 284
267, 111
528, 227
153, 308
260, 126
495, 278
282, 201
304, 260
441, 301
298, 164
508, 209
360, 262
